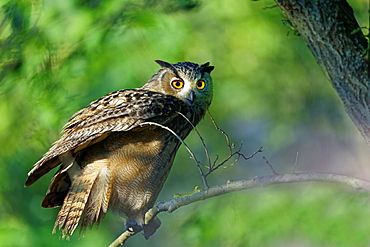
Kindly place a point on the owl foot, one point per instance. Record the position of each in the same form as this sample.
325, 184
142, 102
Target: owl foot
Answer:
148, 229
151, 227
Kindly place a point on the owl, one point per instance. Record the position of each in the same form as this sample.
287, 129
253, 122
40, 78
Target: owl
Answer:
112, 156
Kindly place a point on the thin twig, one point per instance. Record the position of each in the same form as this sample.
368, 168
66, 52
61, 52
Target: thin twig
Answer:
231, 146
183, 143
200, 137
270, 7
252, 155
268, 163
238, 154
204, 179
296, 162
176, 135
215, 167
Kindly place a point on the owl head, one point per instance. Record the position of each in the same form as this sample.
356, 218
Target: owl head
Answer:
187, 81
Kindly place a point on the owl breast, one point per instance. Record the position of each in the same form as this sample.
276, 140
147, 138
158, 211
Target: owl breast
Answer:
139, 169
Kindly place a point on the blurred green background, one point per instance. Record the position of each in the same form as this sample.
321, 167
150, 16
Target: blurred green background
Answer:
57, 56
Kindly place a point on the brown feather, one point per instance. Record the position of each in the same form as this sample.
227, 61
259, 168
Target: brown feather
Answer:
97, 204
42, 167
89, 126
76, 200
57, 191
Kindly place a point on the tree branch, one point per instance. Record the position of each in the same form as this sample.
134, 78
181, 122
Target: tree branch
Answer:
231, 186
329, 29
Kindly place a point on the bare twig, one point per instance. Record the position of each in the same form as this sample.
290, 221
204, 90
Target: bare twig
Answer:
212, 166
262, 181
231, 146
200, 137
183, 143
198, 163
176, 135
231, 155
252, 155
272, 168
204, 179
296, 162
270, 7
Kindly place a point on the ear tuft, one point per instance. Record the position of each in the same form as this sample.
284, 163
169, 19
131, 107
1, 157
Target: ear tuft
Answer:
206, 68
164, 64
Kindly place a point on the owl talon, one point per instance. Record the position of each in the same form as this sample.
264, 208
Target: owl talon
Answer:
151, 227
133, 227
148, 229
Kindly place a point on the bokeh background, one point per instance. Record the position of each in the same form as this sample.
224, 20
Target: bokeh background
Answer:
57, 56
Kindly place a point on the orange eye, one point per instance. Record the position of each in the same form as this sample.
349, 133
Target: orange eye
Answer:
177, 84
201, 84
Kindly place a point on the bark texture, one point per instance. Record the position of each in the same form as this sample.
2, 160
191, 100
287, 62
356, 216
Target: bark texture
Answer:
327, 27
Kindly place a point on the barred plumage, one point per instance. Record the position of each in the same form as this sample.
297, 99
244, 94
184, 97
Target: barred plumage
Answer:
110, 159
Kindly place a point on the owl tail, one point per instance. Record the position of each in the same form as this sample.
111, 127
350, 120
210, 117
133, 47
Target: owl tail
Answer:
87, 199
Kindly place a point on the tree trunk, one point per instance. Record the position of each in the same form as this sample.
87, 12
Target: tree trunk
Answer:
328, 28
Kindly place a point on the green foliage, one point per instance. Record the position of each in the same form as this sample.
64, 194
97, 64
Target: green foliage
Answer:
367, 36
57, 56
289, 24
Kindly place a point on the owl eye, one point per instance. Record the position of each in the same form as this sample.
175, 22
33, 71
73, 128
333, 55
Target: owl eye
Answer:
201, 84
177, 84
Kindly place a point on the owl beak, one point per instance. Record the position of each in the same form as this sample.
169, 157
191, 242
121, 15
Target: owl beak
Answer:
191, 98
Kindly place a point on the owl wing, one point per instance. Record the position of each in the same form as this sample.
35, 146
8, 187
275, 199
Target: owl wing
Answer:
118, 111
